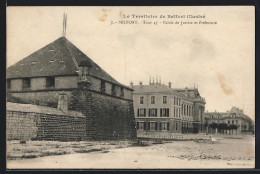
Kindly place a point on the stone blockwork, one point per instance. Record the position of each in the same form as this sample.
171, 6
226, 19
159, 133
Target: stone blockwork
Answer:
40, 126
107, 117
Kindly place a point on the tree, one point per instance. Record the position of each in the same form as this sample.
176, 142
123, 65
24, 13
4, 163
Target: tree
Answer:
222, 127
213, 126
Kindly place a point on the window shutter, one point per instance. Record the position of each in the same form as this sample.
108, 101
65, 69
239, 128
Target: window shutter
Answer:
168, 126
160, 126
161, 112
137, 112
167, 112
144, 112
137, 125
144, 125
155, 125
155, 112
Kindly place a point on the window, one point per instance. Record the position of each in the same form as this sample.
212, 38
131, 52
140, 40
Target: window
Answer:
164, 112
236, 121
179, 112
152, 112
50, 82
182, 109
176, 126
122, 92
177, 101
164, 126
26, 83
174, 112
153, 100
140, 126
141, 112
152, 125
113, 89
164, 99
174, 100
103, 86
8, 84
141, 100
228, 122
232, 121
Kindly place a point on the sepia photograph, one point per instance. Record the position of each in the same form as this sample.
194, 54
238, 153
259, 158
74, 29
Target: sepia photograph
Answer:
130, 87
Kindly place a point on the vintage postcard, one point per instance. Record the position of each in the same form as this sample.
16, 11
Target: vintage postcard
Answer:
147, 87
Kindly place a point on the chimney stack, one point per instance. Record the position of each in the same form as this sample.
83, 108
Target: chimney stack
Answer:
170, 84
131, 84
153, 80
186, 91
63, 102
156, 80
141, 83
150, 82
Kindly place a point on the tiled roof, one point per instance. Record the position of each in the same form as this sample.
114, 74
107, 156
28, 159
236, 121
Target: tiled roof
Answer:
40, 109
58, 58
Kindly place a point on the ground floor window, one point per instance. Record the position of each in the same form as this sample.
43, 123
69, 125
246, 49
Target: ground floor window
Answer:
140, 126
152, 126
165, 126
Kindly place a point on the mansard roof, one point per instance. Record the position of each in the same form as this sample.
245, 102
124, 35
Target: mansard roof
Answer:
152, 88
59, 58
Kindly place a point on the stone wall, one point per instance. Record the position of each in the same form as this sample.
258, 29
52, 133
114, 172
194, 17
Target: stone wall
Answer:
29, 125
107, 117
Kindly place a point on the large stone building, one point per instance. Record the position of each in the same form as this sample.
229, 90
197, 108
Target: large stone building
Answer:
160, 108
61, 69
235, 116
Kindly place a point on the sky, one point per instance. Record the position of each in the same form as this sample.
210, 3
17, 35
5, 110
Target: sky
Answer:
218, 58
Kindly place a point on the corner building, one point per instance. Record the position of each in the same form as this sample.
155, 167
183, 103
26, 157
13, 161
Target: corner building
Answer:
61, 70
160, 108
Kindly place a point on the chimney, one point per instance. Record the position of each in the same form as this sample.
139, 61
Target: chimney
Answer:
156, 80
186, 91
131, 84
150, 82
153, 80
170, 84
141, 83
63, 102
160, 80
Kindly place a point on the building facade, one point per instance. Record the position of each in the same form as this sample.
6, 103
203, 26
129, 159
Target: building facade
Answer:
243, 124
160, 108
61, 68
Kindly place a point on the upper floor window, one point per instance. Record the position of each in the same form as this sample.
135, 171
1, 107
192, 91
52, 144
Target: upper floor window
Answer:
8, 84
122, 92
153, 112
141, 112
164, 112
164, 99
103, 86
113, 89
50, 82
153, 100
141, 100
26, 83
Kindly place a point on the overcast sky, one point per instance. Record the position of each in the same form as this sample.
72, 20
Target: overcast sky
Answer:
219, 58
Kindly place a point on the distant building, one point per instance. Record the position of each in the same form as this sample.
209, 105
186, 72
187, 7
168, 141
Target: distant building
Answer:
235, 116
60, 68
161, 108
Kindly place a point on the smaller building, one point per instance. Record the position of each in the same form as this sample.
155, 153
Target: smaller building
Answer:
230, 122
33, 122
